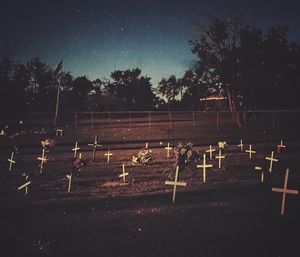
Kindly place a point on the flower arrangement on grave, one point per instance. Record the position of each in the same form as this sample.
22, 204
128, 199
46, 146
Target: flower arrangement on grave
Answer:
144, 156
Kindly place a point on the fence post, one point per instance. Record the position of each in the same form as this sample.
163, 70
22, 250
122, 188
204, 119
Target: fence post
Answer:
129, 119
217, 120
149, 119
273, 120
170, 120
92, 119
75, 120
193, 114
109, 121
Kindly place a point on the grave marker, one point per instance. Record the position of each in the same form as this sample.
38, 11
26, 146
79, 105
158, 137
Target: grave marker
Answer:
271, 159
220, 157
284, 191
168, 148
280, 147
108, 154
204, 166
59, 132
258, 168
250, 151
175, 183
11, 161
69, 177
210, 151
94, 145
124, 174
75, 149
241, 145
43, 159
25, 185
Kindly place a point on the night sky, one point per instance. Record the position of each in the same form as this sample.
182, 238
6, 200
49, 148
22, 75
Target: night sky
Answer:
95, 38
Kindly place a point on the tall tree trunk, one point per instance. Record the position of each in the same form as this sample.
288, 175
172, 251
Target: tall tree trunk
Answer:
232, 106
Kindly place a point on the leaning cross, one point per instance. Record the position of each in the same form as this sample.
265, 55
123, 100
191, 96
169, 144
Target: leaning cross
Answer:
124, 174
175, 183
94, 145
220, 157
69, 177
75, 149
43, 159
285, 191
168, 148
259, 168
108, 154
25, 185
241, 145
210, 151
250, 151
271, 159
204, 166
11, 161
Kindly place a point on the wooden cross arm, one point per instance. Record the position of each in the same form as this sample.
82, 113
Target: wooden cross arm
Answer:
271, 159
69, 176
123, 175
173, 183
205, 166
25, 185
258, 168
11, 161
288, 191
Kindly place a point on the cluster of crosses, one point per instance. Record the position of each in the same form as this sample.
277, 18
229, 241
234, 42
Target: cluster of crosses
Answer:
204, 166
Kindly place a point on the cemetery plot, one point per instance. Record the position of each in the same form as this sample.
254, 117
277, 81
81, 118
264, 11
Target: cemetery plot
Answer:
64, 211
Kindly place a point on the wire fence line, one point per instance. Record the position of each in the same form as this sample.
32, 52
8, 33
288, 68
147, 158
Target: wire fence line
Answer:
217, 120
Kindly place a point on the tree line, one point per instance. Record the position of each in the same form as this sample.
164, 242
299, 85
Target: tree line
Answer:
240, 60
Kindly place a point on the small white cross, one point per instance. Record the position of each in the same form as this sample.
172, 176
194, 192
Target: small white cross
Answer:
168, 148
241, 145
204, 166
146, 146
285, 191
11, 161
258, 168
281, 145
271, 159
210, 151
94, 145
220, 157
108, 154
25, 185
69, 177
43, 159
124, 174
250, 151
75, 149
175, 183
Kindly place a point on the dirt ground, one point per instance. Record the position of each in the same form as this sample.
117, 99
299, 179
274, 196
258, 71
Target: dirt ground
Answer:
232, 214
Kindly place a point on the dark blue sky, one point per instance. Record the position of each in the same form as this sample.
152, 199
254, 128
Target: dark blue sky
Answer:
97, 37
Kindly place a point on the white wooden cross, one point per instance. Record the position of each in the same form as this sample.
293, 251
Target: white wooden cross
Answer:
168, 148
204, 166
69, 177
94, 145
250, 151
43, 159
124, 174
210, 151
271, 159
11, 161
284, 191
220, 157
241, 145
25, 185
108, 154
281, 145
75, 149
259, 168
175, 183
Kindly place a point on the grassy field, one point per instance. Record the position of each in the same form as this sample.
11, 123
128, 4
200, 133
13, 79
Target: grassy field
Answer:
232, 214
